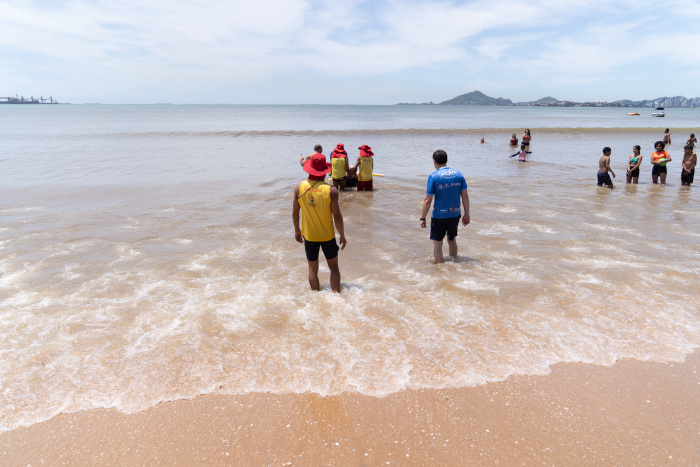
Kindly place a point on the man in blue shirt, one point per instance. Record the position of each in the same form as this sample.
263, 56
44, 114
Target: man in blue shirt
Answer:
448, 187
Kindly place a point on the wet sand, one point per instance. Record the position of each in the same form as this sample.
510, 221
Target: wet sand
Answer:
633, 413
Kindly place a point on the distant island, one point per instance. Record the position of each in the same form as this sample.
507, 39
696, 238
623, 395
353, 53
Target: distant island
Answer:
481, 99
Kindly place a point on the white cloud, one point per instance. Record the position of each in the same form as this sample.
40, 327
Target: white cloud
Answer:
203, 43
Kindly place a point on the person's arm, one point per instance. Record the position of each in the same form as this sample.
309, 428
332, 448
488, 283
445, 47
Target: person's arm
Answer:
528, 152
303, 159
607, 166
629, 166
427, 201
338, 217
295, 215
465, 203
515, 154
347, 166
693, 162
667, 156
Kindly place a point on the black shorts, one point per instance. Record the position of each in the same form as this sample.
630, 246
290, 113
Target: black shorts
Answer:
350, 182
658, 169
634, 173
438, 228
687, 177
338, 179
330, 249
604, 179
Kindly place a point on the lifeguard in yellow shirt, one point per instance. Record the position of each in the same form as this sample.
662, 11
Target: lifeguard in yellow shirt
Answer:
318, 202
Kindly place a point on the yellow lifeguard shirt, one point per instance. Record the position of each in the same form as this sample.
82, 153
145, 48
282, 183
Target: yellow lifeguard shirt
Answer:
364, 173
316, 215
339, 164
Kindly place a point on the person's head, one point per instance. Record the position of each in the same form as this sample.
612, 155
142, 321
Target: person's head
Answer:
317, 167
514, 136
527, 130
482, 140
318, 148
688, 149
667, 130
692, 135
440, 157
637, 149
522, 146
659, 145
607, 151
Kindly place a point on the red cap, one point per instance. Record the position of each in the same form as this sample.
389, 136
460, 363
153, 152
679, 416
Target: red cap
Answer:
365, 151
317, 165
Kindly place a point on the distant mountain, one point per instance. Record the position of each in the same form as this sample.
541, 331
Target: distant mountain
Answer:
546, 100
477, 98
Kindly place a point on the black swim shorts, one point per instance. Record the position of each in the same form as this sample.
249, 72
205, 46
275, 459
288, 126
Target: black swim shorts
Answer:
687, 177
330, 249
634, 173
604, 179
438, 228
658, 169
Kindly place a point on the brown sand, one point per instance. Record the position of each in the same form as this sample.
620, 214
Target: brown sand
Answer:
634, 413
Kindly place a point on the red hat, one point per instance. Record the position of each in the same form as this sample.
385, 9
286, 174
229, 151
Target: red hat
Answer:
317, 165
365, 151
339, 151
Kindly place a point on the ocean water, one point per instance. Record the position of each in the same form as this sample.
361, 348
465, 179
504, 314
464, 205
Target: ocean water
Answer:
147, 253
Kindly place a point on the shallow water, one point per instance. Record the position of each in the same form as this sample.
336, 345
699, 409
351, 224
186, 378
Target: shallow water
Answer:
147, 253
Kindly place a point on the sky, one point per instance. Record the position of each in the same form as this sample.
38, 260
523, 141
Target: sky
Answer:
347, 52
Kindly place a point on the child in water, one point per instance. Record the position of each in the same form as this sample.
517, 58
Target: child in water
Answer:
604, 168
522, 153
659, 159
514, 141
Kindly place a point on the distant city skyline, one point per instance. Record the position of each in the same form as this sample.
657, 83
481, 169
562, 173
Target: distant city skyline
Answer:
350, 52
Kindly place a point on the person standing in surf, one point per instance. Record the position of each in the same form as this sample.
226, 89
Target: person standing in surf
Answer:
341, 167
448, 187
364, 167
604, 168
633, 165
318, 149
526, 137
318, 202
667, 137
514, 141
522, 153
692, 140
690, 160
659, 159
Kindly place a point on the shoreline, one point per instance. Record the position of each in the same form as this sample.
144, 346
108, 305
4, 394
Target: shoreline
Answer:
632, 413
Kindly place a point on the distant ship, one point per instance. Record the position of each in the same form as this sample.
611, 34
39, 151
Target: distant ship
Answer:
659, 108
22, 100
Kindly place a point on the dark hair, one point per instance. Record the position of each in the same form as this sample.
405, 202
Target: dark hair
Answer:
688, 146
440, 157
667, 130
692, 135
637, 147
318, 148
606, 149
522, 146
660, 143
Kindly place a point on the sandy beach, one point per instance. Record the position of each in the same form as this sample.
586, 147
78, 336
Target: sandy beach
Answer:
633, 413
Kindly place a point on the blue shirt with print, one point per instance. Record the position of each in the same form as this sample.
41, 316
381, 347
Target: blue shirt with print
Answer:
446, 185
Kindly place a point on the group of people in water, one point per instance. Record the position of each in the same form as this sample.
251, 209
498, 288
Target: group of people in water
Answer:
343, 174
317, 201
659, 158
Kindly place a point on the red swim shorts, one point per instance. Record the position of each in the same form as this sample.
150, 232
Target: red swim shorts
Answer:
364, 186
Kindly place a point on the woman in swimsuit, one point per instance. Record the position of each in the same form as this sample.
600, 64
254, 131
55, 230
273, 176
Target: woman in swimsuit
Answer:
527, 137
513, 141
692, 140
633, 165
